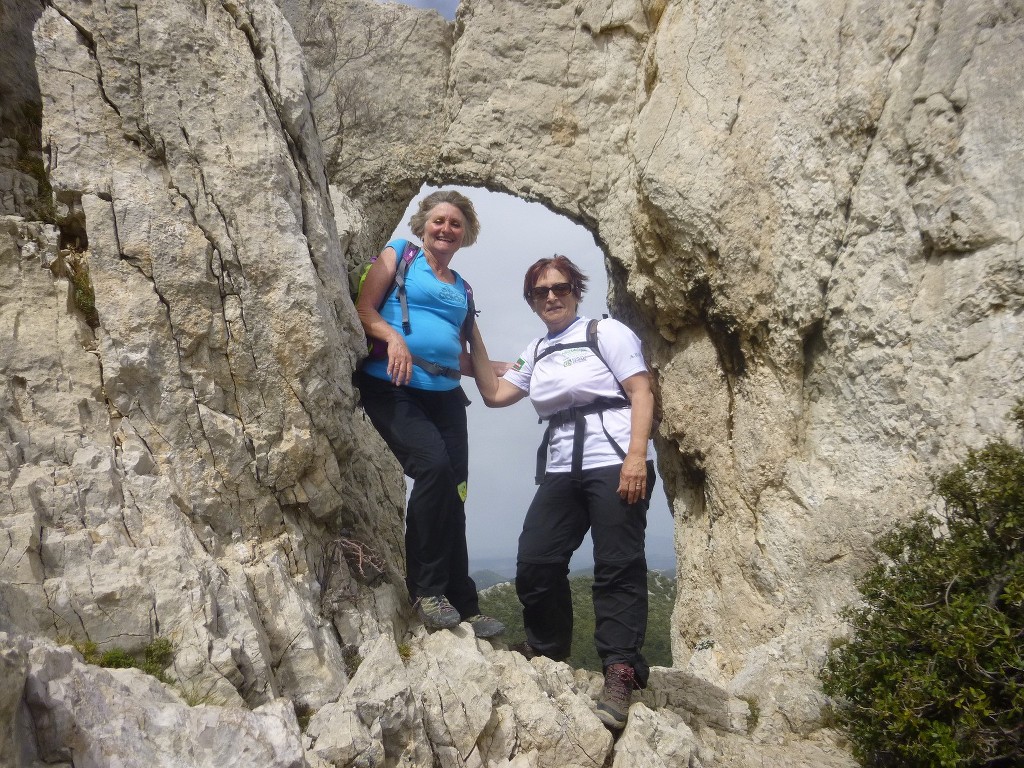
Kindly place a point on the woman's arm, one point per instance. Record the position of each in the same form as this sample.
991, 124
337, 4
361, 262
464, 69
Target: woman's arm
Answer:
633, 478
466, 366
378, 282
496, 392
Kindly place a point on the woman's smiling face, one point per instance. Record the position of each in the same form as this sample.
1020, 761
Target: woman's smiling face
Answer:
444, 230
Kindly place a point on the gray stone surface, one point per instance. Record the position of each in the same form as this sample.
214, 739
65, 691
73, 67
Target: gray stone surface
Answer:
811, 212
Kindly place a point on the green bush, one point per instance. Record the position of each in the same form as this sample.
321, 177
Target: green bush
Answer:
157, 656
117, 658
934, 674
89, 650
83, 295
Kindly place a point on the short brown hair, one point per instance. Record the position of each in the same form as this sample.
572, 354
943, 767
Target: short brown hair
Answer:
418, 222
563, 264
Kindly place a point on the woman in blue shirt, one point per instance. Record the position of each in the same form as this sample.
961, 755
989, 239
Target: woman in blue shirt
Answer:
412, 396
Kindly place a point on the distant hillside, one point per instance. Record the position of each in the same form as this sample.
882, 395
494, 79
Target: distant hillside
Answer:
488, 578
660, 557
501, 602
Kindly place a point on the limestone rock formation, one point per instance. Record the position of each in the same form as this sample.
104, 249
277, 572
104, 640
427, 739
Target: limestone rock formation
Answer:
811, 212
814, 214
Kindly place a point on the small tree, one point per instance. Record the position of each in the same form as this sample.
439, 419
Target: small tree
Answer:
344, 95
934, 675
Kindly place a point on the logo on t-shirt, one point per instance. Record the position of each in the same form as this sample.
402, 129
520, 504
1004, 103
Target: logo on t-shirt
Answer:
450, 295
572, 356
519, 364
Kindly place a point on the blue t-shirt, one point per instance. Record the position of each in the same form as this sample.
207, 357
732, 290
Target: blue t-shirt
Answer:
436, 313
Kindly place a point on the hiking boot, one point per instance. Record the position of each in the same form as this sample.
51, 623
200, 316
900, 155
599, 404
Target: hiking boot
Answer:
524, 649
485, 626
613, 706
436, 612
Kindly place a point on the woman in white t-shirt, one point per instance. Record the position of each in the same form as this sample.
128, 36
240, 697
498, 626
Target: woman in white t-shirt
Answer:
589, 381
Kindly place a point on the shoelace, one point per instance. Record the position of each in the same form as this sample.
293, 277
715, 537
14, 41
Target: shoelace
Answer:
434, 604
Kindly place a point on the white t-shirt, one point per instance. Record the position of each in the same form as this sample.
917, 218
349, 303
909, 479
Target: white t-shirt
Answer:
576, 376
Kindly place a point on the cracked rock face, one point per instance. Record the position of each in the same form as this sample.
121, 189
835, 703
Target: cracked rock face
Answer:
182, 468
812, 214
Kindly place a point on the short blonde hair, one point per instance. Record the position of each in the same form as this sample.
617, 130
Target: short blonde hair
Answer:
418, 222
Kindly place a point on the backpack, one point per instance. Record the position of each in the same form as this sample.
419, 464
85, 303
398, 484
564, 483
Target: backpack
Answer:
378, 349
590, 343
577, 414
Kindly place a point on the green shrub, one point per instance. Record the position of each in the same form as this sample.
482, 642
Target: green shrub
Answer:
82, 291
405, 652
157, 656
88, 649
117, 658
934, 674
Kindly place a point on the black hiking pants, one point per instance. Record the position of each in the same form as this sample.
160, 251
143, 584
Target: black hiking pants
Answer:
562, 511
427, 432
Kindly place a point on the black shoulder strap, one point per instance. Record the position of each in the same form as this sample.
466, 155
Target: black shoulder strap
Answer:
578, 415
590, 342
471, 311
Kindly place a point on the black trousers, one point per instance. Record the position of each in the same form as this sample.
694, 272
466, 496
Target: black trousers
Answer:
562, 511
427, 433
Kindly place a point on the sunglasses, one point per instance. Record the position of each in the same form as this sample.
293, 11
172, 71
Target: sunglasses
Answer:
559, 289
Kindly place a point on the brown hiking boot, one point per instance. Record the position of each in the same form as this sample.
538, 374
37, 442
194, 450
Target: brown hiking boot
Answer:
613, 706
524, 649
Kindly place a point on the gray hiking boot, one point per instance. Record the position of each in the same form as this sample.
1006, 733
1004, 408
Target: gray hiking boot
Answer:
485, 626
613, 706
436, 612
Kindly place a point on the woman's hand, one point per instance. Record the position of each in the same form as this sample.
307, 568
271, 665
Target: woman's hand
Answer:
633, 478
399, 361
